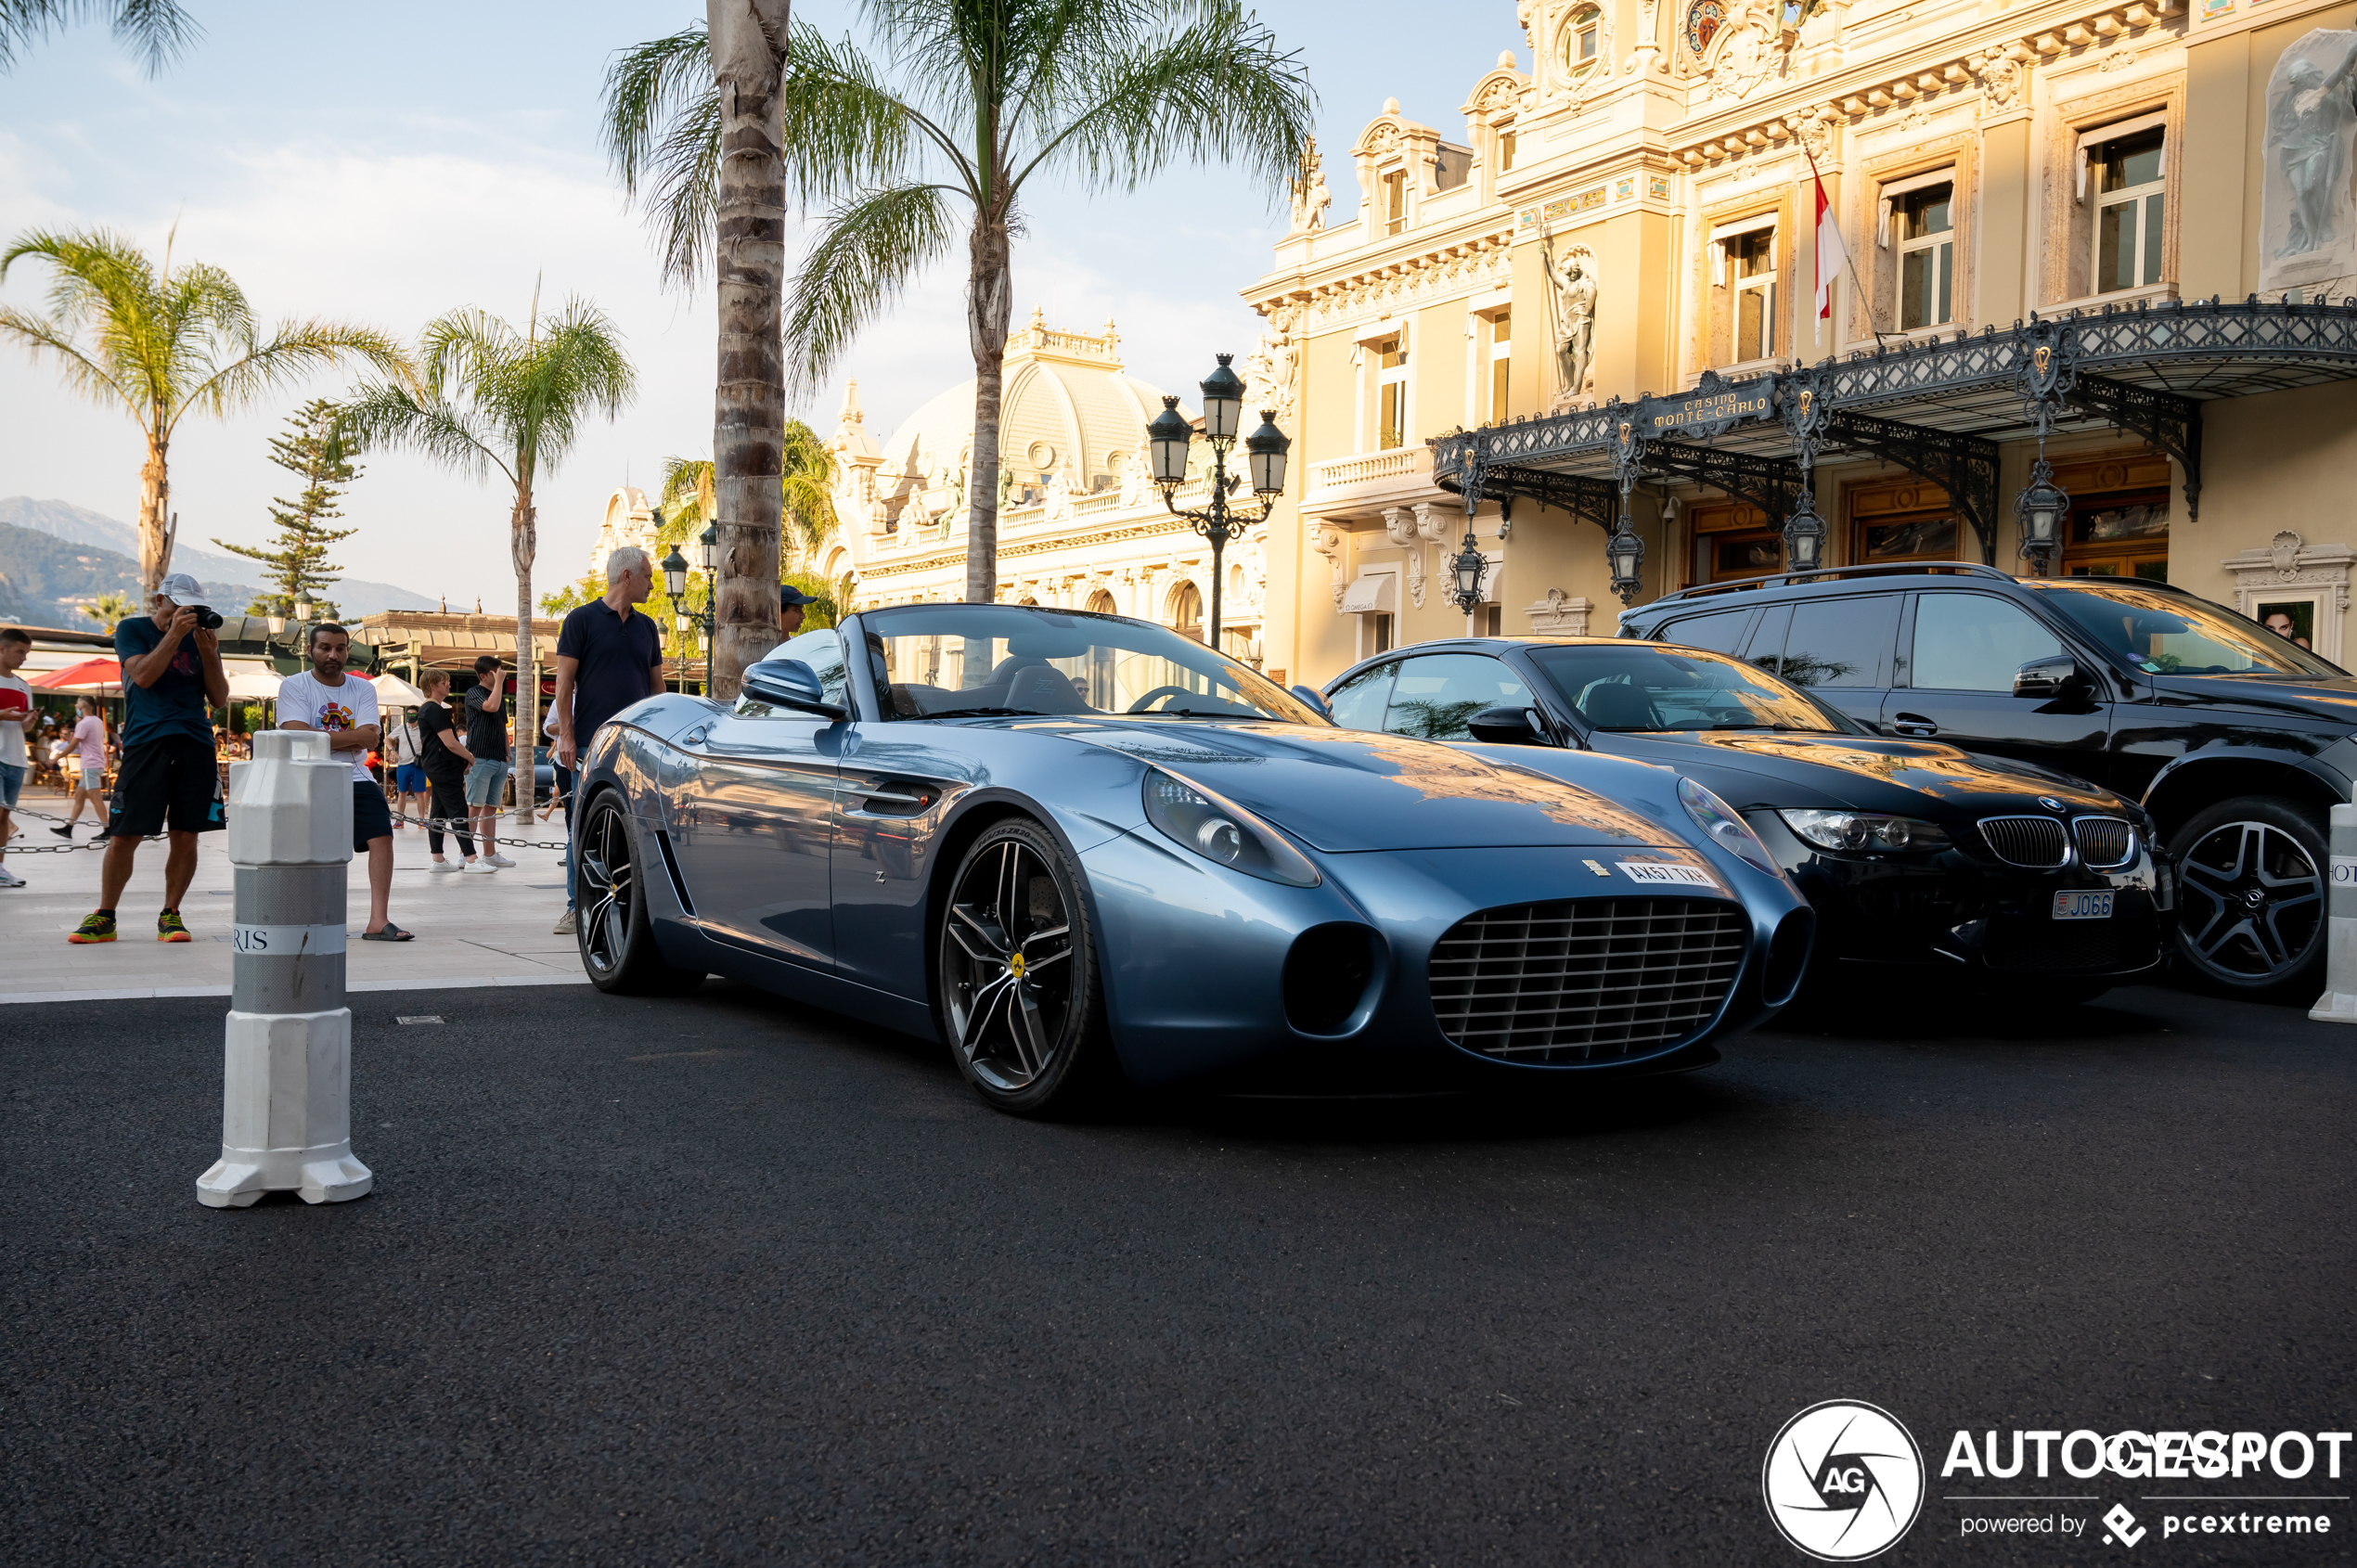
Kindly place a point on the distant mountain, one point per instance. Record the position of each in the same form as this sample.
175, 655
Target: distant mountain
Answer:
44, 581
78, 525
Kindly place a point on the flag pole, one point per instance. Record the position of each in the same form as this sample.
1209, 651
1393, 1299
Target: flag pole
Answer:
1850, 261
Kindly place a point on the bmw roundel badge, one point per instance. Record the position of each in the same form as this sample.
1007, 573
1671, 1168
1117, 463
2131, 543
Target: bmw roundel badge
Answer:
2051, 804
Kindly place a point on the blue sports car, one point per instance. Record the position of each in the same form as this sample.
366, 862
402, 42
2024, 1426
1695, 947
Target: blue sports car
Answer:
1082, 849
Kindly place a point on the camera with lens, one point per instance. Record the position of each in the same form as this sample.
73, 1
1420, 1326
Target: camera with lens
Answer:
207, 618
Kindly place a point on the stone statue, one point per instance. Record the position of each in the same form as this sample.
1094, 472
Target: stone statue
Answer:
1134, 479
1269, 373
1575, 321
1310, 197
2310, 117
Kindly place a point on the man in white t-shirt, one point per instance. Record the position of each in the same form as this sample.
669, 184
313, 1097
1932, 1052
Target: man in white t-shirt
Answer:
15, 717
325, 698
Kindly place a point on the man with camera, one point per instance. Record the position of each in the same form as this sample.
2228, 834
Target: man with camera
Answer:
171, 669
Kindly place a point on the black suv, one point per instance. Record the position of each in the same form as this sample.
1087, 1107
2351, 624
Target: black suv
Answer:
2234, 739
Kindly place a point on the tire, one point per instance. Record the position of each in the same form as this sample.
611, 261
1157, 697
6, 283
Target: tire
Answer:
2252, 881
1018, 995
613, 931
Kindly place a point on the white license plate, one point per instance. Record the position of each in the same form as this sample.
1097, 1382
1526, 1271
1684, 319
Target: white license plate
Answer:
2084, 906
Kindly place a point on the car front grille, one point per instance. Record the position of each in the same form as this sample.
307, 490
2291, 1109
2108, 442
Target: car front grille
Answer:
1587, 979
2029, 946
2038, 842
2106, 842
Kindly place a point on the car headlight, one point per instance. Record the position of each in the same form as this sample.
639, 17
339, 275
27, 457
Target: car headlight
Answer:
1726, 829
1866, 831
1221, 831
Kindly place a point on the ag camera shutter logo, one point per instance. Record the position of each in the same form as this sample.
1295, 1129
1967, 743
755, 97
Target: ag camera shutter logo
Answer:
1843, 1480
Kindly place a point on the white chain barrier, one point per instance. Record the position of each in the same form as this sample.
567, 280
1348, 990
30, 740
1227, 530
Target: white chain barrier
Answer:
286, 1096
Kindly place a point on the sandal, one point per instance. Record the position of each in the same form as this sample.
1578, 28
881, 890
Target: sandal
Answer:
388, 932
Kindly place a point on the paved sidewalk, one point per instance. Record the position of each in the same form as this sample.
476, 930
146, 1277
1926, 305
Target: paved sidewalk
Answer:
470, 931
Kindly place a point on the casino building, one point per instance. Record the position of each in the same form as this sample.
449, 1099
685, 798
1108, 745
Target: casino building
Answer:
2109, 238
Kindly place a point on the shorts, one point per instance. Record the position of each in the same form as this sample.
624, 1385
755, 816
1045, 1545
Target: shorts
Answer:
484, 782
11, 784
171, 780
371, 819
408, 779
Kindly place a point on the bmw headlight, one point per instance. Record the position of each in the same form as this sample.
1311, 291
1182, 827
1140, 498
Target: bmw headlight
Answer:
1726, 829
1221, 831
1865, 832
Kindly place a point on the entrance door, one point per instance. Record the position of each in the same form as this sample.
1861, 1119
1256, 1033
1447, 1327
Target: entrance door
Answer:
1964, 648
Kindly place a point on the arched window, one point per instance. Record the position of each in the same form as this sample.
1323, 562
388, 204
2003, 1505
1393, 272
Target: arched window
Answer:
1186, 611
1102, 603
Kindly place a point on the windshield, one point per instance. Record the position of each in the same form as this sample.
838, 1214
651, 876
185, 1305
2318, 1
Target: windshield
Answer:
946, 660
1617, 686
2174, 634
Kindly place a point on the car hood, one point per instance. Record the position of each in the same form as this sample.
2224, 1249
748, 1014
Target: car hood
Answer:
1341, 790
2333, 700
1864, 772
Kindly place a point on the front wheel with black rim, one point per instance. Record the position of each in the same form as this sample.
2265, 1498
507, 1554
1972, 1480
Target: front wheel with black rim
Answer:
2251, 879
1019, 994
611, 928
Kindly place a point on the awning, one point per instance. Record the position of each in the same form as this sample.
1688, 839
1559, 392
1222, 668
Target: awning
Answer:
1374, 591
97, 675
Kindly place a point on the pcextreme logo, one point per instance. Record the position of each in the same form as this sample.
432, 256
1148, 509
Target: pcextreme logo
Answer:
1843, 1480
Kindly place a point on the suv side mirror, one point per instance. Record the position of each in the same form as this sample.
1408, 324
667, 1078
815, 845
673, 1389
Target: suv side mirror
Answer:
789, 683
1316, 699
2046, 679
1506, 727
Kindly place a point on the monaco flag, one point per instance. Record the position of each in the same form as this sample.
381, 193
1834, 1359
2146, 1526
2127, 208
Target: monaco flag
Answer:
1831, 255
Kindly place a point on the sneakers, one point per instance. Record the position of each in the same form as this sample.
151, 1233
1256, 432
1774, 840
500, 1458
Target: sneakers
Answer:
169, 929
500, 860
440, 866
564, 925
64, 833
480, 868
95, 927
9, 878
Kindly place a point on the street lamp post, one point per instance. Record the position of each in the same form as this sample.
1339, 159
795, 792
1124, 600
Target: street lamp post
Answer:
1169, 437
675, 587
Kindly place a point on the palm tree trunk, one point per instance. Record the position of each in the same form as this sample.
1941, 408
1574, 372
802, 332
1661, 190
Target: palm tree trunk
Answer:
524, 542
155, 506
989, 297
749, 397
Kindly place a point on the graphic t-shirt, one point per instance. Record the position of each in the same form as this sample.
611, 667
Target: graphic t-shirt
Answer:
442, 764
174, 705
305, 698
15, 701
90, 738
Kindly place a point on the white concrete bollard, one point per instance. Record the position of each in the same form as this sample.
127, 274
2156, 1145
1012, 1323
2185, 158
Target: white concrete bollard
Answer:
285, 1100
2338, 1004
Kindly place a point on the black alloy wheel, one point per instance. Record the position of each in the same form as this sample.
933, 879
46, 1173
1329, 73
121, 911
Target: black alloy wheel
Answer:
2252, 881
1020, 1002
610, 927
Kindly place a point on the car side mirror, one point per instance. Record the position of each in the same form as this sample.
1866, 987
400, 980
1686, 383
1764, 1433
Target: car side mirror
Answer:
1506, 727
2053, 676
789, 683
1316, 699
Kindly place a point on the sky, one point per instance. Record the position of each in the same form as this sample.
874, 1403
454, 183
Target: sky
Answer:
399, 162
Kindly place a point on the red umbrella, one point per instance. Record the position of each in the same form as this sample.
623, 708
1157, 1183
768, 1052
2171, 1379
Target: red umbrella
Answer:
91, 674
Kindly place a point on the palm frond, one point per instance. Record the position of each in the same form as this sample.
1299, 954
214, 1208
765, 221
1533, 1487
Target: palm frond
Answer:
294, 349
857, 266
808, 474
687, 480
156, 31
844, 128
85, 375
661, 130
392, 417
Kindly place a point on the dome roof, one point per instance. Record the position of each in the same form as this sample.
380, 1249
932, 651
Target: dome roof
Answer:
1065, 407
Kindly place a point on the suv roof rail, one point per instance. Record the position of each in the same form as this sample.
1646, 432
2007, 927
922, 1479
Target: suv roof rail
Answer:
1834, 574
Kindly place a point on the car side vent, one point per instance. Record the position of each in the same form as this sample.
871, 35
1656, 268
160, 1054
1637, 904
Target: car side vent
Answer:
2105, 844
2037, 842
671, 869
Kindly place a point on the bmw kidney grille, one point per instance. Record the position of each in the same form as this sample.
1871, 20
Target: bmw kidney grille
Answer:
2037, 842
1585, 979
2105, 842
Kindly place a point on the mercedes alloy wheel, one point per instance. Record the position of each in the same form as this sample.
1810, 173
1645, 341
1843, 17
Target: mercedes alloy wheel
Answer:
2251, 882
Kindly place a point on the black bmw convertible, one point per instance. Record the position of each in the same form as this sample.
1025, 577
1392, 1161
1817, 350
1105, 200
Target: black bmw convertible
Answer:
1922, 861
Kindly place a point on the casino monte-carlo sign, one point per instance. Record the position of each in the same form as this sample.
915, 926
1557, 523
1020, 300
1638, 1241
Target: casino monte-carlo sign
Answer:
1713, 407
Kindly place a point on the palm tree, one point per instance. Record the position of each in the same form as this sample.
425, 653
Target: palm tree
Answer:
155, 30
970, 100
164, 343
487, 397
109, 609
807, 514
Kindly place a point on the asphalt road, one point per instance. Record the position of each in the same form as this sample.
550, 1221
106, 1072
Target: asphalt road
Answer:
655, 1282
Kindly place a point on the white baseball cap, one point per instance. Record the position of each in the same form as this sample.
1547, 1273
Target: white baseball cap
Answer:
182, 589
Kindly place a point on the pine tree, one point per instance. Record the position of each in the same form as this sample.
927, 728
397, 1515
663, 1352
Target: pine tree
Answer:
318, 452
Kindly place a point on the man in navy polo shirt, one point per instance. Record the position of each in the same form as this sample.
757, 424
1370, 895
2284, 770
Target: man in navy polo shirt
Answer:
607, 657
